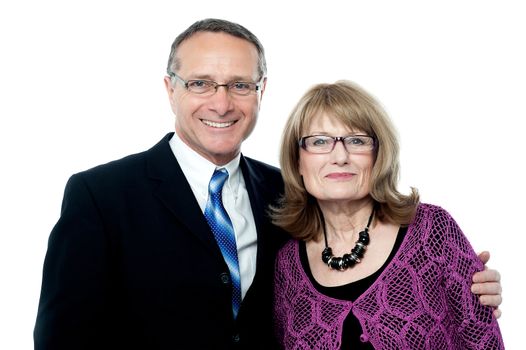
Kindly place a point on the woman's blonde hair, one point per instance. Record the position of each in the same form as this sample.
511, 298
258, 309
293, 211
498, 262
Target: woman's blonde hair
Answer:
298, 212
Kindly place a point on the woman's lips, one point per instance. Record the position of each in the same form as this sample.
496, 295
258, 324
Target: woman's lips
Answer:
340, 176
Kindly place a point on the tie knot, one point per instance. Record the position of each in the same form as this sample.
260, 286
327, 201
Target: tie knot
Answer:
218, 180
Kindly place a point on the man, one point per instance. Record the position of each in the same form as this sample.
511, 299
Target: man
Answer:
136, 261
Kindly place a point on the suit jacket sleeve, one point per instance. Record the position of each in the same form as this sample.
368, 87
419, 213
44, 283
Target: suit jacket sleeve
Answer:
75, 281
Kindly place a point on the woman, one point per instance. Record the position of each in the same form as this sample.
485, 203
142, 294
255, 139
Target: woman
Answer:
370, 267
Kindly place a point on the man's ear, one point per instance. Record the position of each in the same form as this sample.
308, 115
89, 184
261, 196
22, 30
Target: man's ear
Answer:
263, 86
170, 90
168, 85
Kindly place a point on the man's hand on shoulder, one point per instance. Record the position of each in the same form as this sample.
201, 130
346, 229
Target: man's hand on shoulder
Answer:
486, 284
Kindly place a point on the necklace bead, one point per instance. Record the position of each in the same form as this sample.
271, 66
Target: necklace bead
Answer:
352, 258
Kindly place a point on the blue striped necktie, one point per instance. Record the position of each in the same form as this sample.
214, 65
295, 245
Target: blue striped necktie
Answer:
223, 230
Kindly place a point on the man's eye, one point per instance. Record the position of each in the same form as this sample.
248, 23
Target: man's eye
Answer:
240, 86
198, 84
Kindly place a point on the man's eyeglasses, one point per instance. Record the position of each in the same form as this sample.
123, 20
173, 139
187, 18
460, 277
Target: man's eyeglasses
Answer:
209, 87
325, 143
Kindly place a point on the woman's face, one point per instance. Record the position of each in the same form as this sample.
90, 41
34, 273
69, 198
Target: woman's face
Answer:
338, 176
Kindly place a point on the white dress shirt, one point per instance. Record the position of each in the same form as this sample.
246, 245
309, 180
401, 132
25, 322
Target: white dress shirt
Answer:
198, 172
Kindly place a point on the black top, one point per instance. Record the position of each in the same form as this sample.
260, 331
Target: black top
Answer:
351, 291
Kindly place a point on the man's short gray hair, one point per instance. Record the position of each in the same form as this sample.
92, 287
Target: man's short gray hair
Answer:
217, 26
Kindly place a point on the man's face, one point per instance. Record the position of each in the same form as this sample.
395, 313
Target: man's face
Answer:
215, 126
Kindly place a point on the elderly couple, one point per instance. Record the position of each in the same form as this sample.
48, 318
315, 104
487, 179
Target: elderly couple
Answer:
192, 245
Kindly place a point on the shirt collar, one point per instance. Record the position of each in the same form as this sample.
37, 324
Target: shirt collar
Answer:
198, 170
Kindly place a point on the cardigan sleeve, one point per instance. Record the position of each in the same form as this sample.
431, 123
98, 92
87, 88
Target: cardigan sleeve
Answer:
474, 326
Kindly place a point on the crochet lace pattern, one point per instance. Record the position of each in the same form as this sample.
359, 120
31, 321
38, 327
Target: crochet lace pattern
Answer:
422, 300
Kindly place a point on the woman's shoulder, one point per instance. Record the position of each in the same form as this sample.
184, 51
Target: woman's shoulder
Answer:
437, 231
288, 255
430, 208
427, 211
289, 247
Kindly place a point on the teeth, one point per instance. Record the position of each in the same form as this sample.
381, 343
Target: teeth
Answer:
217, 125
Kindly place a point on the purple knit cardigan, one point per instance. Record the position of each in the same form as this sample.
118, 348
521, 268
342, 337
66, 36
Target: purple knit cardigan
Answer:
422, 300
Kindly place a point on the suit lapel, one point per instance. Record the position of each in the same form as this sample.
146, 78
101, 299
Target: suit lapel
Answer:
174, 191
257, 188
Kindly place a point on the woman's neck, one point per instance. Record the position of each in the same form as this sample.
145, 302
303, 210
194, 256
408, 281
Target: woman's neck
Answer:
345, 220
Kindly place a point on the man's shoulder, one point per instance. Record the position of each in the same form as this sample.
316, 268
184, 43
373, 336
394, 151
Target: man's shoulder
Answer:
262, 173
123, 164
259, 166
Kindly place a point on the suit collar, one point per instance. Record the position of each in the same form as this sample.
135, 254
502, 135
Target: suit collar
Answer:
174, 191
198, 170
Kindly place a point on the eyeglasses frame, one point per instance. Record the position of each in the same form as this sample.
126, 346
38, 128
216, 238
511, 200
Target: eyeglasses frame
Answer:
216, 85
303, 145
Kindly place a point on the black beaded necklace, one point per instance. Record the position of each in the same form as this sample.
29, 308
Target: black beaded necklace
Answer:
347, 260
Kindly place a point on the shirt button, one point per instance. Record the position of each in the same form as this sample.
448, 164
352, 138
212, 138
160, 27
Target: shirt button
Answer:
364, 338
225, 278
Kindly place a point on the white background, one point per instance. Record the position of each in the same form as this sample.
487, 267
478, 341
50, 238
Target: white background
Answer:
81, 84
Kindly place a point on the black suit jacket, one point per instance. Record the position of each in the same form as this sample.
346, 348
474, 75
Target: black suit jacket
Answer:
132, 263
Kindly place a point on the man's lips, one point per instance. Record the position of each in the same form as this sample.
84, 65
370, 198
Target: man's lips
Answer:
219, 125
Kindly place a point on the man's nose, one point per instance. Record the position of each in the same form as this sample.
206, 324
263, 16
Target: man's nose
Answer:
221, 101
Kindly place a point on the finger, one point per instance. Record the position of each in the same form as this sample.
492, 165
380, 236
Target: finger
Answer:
484, 257
491, 300
488, 275
497, 313
487, 288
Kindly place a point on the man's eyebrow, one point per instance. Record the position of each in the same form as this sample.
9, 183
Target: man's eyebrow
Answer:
200, 76
209, 77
